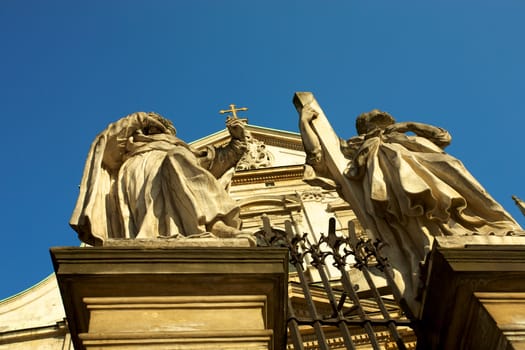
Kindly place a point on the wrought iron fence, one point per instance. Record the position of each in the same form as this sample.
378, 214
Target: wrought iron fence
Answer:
341, 292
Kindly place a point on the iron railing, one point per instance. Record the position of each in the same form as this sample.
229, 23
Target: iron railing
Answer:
327, 309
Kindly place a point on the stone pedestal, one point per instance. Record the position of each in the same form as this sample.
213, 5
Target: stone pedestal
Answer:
165, 297
474, 297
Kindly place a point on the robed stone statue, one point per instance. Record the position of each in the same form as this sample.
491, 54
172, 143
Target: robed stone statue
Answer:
403, 186
142, 182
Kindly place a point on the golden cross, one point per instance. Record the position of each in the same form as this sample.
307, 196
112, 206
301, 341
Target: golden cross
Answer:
233, 111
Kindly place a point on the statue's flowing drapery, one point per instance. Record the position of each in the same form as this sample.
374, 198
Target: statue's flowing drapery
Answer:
404, 189
412, 190
138, 185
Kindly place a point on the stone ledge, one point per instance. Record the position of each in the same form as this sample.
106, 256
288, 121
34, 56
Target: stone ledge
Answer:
253, 280
191, 242
214, 340
478, 241
467, 280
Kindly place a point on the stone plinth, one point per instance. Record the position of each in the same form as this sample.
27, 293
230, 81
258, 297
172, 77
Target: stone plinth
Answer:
474, 297
171, 297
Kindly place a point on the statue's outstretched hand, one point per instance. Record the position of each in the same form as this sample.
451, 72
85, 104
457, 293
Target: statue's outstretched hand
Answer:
308, 113
237, 129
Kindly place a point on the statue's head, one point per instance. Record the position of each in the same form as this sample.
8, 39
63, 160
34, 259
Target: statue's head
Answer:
166, 122
375, 119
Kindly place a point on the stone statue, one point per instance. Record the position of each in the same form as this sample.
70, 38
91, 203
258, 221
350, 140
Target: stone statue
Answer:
404, 188
141, 182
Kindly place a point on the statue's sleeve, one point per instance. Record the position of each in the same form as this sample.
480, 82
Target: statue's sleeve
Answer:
219, 159
89, 217
438, 136
93, 217
117, 135
351, 146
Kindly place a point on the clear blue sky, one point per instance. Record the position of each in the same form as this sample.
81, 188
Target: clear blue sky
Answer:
69, 68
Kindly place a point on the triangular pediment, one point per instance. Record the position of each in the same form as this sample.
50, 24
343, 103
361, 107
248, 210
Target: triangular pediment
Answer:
283, 147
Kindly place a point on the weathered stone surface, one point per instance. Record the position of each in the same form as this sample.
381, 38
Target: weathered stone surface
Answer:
478, 241
180, 242
233, 340
474, 297
174, 297
175, 313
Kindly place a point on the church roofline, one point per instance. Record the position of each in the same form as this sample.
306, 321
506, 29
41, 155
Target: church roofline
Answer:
32, 292
271, 137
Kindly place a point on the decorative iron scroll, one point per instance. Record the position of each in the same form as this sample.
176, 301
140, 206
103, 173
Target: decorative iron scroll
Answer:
326, 308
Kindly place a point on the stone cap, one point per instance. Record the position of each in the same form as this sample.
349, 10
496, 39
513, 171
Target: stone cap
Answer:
479, 240
179, 242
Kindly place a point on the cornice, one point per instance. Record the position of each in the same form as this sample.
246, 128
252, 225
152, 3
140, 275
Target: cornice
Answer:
270, 137
265, 175
57, 330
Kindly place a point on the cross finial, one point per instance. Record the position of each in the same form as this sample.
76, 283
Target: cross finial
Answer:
233, 111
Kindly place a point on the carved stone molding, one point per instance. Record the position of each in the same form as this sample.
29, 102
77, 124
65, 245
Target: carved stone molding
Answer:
256, 156
294, 172
315, 196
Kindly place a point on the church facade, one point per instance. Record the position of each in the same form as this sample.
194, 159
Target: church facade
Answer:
313, 278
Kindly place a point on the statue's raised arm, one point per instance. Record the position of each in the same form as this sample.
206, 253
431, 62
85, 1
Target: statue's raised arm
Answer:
218, 160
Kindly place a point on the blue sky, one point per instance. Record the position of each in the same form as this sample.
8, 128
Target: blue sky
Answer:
69, 68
